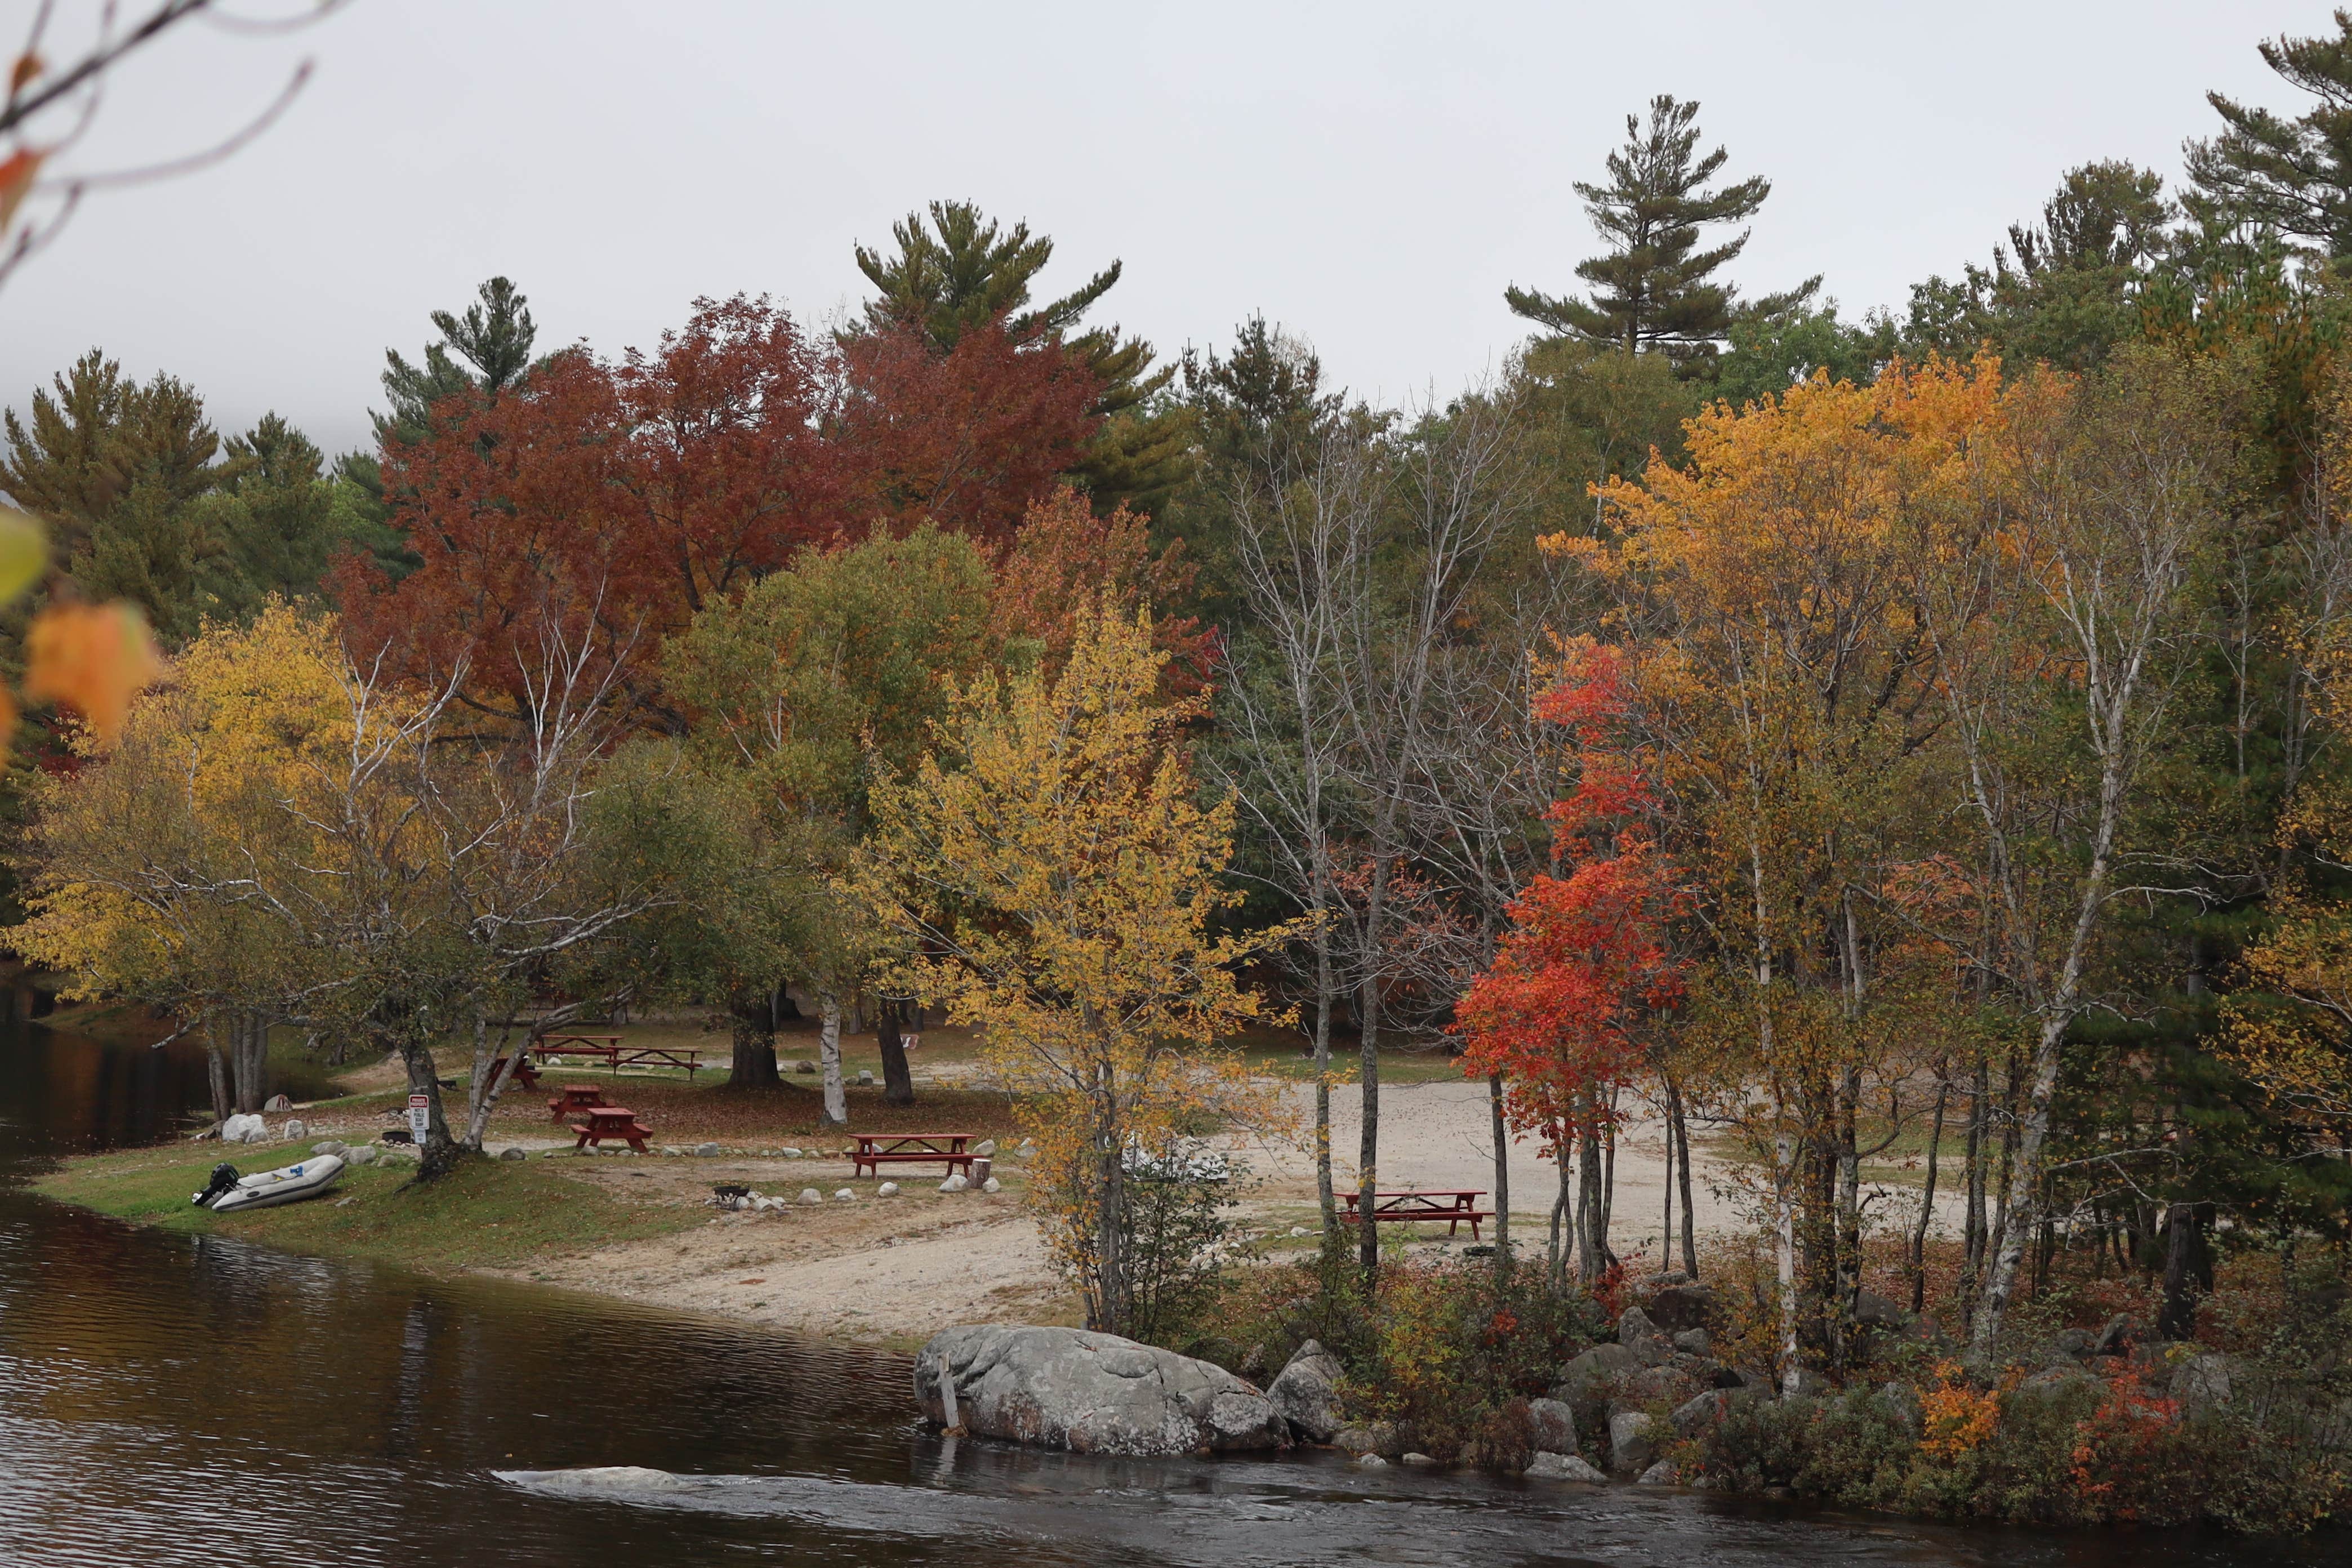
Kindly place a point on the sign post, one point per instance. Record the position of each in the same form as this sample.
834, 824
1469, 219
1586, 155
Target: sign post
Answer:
420, 1116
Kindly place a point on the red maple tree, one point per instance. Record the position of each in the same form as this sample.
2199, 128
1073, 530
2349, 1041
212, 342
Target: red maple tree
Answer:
1559, 1013
598, 506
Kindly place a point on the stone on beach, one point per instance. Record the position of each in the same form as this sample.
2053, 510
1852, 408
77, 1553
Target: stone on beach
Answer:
1090, 1393
1307, 1393
1551, 1467
245, 1128
811, 1195
954, 1184
887, 1189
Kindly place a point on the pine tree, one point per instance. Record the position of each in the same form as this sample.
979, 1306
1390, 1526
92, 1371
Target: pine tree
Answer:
280, 518
2294, 176
117, 470
494, 337
1652, 291
961, 269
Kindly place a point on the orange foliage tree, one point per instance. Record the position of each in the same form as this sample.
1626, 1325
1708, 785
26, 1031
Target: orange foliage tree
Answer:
1559, 1014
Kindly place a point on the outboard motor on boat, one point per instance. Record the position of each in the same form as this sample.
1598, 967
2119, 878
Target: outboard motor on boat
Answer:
222, 1179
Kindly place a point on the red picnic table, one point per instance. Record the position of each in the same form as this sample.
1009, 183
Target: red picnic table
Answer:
524, 1073
657, 1056
875, 1150
605, 1047
617, 1122
1453, 1207
574, 1098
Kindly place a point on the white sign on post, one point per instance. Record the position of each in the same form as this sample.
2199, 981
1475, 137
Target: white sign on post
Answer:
420, 1116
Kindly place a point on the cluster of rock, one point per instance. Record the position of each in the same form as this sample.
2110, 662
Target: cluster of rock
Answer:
1099, 1394
251, 1127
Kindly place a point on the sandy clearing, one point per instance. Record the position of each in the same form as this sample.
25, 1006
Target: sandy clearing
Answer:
896, 1270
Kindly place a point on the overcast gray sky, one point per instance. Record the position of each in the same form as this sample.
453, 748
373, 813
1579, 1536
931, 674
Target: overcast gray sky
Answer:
1368, 175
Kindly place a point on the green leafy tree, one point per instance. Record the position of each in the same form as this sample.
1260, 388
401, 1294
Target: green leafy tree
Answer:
1655, 289
1769, 354
798, 688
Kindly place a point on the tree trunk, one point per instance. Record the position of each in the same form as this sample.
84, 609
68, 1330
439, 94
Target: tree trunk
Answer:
2185, 1265
1502, 1175
754, 1064
439, 1155
828, 1054
1368, 1245
1928, 1198
1973, 1230
1682, 1145
1607, 1184
1666, 1225
216, 1073
1111, 1295
889, 1034
1562, 1209
248, 1059
1784, 1249
1592, 1229
1325, 1194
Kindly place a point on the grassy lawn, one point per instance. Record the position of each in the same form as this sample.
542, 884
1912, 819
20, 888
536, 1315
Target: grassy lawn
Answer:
486, 1214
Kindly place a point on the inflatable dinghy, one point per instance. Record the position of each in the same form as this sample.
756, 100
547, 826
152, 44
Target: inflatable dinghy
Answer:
229, 1191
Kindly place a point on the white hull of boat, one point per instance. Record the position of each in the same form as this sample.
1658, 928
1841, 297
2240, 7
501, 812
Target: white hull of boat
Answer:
289, 1184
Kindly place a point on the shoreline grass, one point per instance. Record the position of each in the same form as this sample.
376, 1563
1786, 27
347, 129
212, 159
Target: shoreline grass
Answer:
486, 1213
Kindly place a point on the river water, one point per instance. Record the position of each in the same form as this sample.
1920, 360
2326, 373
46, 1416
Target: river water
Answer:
167, 1400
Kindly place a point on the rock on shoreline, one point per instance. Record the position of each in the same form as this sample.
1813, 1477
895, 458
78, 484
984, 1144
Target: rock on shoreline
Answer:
1089, 1393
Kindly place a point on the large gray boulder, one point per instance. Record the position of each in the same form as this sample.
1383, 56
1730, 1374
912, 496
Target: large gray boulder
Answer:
1307, 1393
1549, 1466
1680, 1307
1601, 1365
1632, 1448
1092, 1394
1553, 1426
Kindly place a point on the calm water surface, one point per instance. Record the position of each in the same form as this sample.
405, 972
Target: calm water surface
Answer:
166, 1400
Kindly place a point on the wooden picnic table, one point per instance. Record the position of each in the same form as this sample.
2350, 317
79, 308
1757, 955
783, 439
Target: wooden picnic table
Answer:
1454, 1206
524, 1073
659, 1056
607, 1048
875, 1150
611, 1121
574, 1098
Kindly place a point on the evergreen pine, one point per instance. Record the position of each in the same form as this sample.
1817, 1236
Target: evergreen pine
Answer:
959, 270
1653, 289
494, 337
2292, 175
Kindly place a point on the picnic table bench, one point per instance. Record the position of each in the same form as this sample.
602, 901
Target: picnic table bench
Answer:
1454, 1207
875, 1150
574, 1098
611, 1121
605, 1047
659, 1056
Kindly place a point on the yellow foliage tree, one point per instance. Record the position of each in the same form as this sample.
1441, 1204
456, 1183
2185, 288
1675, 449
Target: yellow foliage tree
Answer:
190, 799
1052, 868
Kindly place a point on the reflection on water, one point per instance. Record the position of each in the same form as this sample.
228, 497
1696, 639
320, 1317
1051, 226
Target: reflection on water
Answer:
166, 1400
